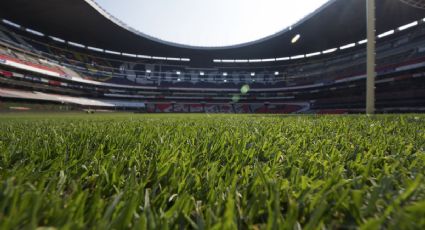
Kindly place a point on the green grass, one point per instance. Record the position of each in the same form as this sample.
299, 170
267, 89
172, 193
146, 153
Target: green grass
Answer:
119, 171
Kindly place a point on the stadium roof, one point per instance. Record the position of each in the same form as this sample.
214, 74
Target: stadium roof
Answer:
338, 23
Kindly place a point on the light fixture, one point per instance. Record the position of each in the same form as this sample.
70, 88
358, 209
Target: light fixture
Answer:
252, 74
295, 38
202, 73
112, 52
57, 39
94, 49
225, 74
362, 42
129, 55
386, 34
10, 23
34, 32
144, 56
347, 46
255, 60
282, 59
297, 57
159, 58
178, 72
312, 54
148, 71
412, 24
76, 44
329, 51
276, 73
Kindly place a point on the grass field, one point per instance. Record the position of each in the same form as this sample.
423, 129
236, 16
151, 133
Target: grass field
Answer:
120, 171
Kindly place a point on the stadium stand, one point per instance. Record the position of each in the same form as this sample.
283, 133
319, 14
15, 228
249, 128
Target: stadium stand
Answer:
40, 68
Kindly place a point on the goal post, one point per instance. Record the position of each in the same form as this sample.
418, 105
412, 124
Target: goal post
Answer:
371, 56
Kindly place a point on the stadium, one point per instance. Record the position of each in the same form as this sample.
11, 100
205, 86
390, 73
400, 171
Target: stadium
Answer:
200, 137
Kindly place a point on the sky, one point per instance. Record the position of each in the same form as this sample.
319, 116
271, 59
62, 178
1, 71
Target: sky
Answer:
210, 23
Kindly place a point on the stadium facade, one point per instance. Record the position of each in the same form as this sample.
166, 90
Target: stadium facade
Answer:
74, 54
